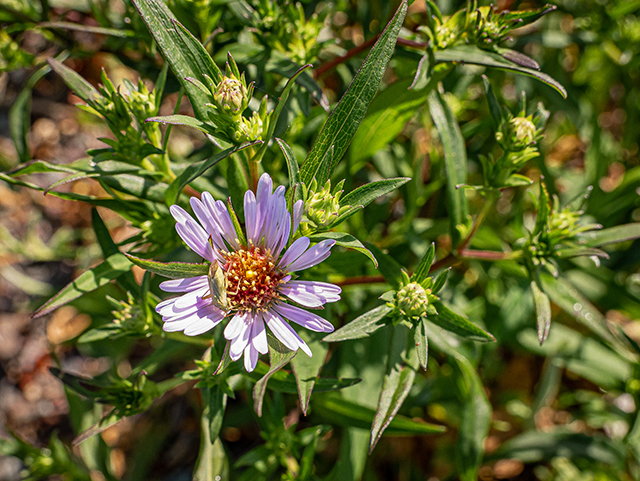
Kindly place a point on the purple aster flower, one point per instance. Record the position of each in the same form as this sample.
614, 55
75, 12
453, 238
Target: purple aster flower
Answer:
258, 276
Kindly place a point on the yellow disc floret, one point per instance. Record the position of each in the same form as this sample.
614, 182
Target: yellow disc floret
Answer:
253, 278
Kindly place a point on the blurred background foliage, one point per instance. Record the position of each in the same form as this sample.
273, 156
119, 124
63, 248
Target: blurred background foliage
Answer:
565, 410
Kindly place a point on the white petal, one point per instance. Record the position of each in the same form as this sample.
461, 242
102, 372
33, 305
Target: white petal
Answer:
235, 326
241, 340
187, 284
259, 335
190, 298
285, 333
199, 327
250, 358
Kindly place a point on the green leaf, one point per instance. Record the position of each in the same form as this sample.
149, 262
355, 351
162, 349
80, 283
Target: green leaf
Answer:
455, 161
469, 54
613, 235
140, 187
282, 100
543, 311
75, 82
172, 270
422, 342
565, 296
186, 121
114, 32
361, 326
440, 281
20, 116
570, 252
494, 106
365, 194
187, 56
281, 64
449, 320
475, 422
539, 446
110, 248
279, 355
294, 193
388, 267
396, 383
388, 114
112, 268
212, 463
342, 412
422, 271
306, 369
343, 122
345, 240
283, 381
196, 169
544, 210
215, 402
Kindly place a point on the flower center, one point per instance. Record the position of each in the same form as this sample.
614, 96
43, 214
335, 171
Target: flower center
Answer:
252, 278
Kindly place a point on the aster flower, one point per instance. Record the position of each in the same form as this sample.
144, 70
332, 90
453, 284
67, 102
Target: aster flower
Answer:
255, 284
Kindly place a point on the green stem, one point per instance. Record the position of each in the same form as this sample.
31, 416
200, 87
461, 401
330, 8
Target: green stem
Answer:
492, 196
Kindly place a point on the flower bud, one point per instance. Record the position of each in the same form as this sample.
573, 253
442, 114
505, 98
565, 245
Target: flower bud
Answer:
522, 130
322, 206
231, 96
412, 300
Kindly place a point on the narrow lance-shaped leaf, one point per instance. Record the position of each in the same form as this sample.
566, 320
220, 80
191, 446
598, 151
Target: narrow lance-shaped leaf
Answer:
195, 170
344, 120
422, 343
543, 311
282, 100
343, 412
345, 240
75, 82
494, 107
449, 320
112, 268
422, 271
474, 425
455, 161
279, 356
306, 369
172, 270
397, 381
473, 55
365, 194
361, 326
613, 235
185, 54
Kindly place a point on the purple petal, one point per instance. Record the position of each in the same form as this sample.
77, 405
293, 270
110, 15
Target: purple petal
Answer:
211, 314
251, 217
187, 284
179, 214
294, 251
313, 256
311, 293
196, 238
306, 319
298, 209
250, 357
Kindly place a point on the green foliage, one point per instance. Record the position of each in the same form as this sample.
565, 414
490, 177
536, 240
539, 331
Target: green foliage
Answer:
484, 227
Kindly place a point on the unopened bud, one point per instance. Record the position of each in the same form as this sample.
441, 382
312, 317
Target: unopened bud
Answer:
322, 206
230, 96
523, 130
412, 300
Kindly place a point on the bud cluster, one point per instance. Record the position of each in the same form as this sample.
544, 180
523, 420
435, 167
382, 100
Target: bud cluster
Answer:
131, 319
322, 206
285, 28
229, 96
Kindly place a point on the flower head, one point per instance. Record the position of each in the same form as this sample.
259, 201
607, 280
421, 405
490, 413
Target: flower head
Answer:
251, 281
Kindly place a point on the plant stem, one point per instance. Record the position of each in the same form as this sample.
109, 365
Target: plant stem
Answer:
492, 196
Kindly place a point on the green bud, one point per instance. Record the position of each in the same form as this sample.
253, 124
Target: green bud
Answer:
522, 130
231, 96
412, 300
322, 206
